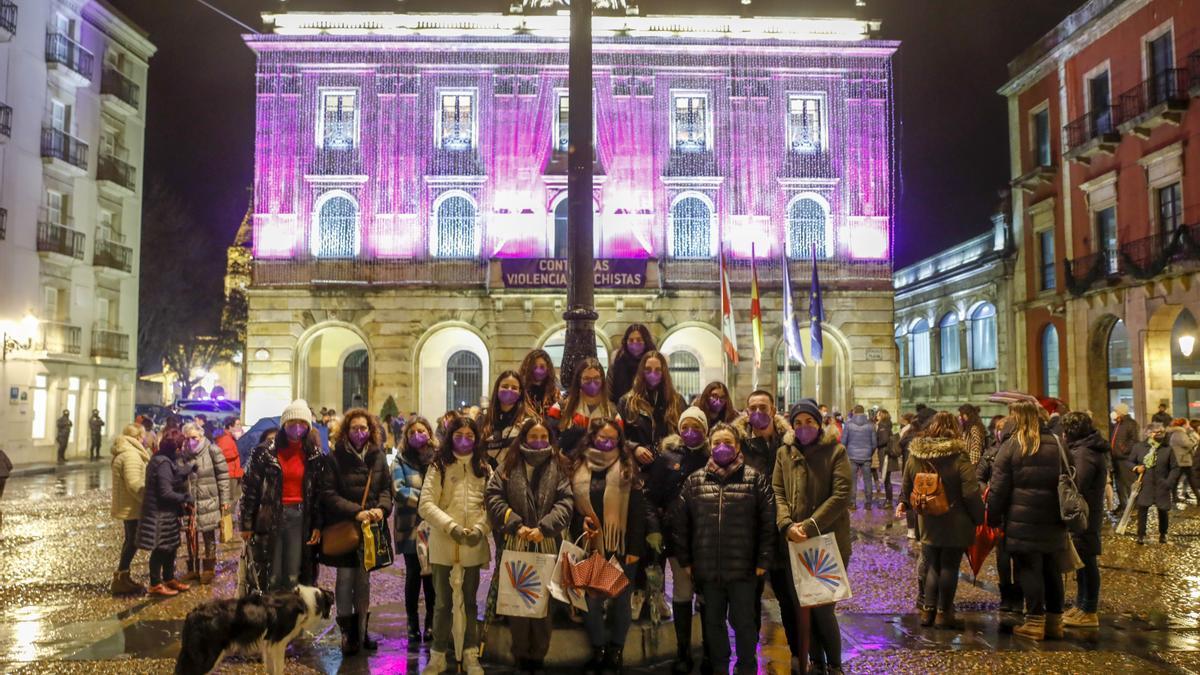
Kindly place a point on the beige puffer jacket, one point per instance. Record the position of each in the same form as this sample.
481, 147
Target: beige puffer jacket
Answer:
457, 498
128, 477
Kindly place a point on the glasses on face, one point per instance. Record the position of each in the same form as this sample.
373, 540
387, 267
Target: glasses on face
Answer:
591, 380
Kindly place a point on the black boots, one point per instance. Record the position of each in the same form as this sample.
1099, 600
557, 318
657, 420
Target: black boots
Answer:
595, 665
350, 638
612, 659
367, 643
682, 613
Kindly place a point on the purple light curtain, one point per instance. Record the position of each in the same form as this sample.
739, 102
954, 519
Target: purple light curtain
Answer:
521, 143
626, 144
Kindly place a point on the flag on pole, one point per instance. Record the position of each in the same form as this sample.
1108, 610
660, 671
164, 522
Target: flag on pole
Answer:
791, 332
728, 330
756, 329
816, 312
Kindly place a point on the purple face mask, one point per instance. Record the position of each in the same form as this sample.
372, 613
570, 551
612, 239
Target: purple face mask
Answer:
358, 437
635, 349
604, 444
591, 387
692, 437
540, 444
806, 435
296, 431
539, 373
759, 419
716, 403
418, 439
724, 454
464, 445
653, 378
193, 444
508, 396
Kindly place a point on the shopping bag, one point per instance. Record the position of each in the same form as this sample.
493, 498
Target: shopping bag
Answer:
376, 549
560, 587
423, 548
818, 571
227, 528
523, 579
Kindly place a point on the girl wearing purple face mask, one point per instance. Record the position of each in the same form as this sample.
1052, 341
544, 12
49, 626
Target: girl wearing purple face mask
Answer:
530, 503
812, 493
541, 381
651, 409
506, 411
714, 401
354, 485
586, 400
635, 344
208, 483
452, 500
417, 448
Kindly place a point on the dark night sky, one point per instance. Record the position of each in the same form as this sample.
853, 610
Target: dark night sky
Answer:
952, 127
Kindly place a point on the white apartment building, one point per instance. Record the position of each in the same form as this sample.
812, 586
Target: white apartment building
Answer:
72, 126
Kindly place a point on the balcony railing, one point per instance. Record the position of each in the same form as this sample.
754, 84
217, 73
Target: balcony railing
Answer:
65, 51
60, 145
1194, 71
1140, 259
113, 255
60, 239
3, 224
61, 338
6, 120
111, 169
1095, 124
429, 272
114, 83
1169, 88
8, 17
109, 344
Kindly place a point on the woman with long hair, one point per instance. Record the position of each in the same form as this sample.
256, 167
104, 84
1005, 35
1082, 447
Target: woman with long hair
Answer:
973, 432
715, 403
505, 412
587, 399
944, 537
650, 408
452, 500
530, 502
634, 344
611, 510
1023, 498
887, 447
415, 452
541, 381
164, 501
354, 485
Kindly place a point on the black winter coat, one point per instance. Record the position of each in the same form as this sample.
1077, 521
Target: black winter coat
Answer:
1158, 482
637, 522
262, 507
1023, 497
1124, 436
948, 457
621, 375
162, 505
340, 487
725, 527
1088, 455
645, 430
665, 479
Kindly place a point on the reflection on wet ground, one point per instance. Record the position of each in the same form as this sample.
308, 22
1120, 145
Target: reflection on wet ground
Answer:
58, 546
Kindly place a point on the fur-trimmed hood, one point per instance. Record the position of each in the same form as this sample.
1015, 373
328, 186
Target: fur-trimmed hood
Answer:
742, 425
674, 443
934, 448
826, 438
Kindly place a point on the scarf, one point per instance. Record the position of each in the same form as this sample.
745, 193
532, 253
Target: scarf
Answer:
536, 458
617, 485
1152, 456
724, 473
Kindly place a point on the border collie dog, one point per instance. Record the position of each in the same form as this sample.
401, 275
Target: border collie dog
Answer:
262, 624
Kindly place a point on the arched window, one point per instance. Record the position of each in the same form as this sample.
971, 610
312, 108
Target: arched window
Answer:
1120, 367
948, 343
560, 229
464, 380
983, 337
556, 344
691, 229
337, 229
456, 228
355, 379
1050, 373
918, 339
685, 374
788, 375
901, 353
806, 228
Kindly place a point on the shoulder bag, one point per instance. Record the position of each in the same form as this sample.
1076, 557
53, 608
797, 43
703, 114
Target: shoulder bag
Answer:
344, 536
1072, 507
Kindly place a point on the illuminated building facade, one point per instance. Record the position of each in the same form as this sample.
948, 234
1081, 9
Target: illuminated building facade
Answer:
409, 216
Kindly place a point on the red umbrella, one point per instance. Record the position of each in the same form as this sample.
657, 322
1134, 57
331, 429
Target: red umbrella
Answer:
985, 540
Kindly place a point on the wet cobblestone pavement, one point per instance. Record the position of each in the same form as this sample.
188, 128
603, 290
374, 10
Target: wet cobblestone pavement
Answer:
58, 547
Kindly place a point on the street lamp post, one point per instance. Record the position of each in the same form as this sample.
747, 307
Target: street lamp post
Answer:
17, 335
581, 314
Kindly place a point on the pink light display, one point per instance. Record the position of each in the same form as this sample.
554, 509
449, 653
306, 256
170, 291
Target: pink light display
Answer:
398, 122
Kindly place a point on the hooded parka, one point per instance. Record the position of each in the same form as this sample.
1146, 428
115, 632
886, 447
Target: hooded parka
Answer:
209, 484
948, 457
162, 504
758, 451
129, 461
812, 487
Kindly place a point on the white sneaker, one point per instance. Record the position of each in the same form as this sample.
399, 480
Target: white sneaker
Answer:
912, 533
470, 661
437, 664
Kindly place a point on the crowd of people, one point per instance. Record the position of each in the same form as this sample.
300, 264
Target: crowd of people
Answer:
618, 460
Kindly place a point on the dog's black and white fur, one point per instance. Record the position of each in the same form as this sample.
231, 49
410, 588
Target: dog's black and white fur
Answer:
262, 624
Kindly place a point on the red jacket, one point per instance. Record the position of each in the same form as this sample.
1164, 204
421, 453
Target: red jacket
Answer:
232, 458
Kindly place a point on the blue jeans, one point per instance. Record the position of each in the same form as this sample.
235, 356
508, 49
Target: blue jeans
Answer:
289, 549
609, 628
865, 469
737, 600
1087, 579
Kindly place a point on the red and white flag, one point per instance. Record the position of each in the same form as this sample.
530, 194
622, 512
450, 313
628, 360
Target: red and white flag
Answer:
728, 330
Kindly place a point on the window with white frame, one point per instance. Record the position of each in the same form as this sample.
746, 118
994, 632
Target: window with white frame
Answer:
337, 233
691, 228
456, 228
1046, 257
1170, 207
41, 403
56, 207
689, 122
337, 123
805, 130
1106, 238
1050, 374
60, 116
806, 222
1041, 137
51, 303
919, 343
562, 123
982, 333
457, 120
948, 329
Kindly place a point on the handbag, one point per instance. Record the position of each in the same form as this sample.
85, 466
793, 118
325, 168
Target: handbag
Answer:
343, 537
929, 495
1072, 507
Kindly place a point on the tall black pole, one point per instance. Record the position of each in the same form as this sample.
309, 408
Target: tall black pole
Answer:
581, 313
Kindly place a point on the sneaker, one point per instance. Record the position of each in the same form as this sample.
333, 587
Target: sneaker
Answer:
162, 591
1082, 620
912, 533
636, 600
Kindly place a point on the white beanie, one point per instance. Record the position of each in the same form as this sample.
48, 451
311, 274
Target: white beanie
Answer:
297, 410
696, 414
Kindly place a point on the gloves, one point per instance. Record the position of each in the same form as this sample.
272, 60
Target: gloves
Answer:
458, 534
655, 541
473, 537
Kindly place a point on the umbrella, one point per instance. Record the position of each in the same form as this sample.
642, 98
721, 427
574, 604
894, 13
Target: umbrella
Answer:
253, 435
986, 539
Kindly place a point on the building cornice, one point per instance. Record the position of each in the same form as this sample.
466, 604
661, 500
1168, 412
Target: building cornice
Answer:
120, 28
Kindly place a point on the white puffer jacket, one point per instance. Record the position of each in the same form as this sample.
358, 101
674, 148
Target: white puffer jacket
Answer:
455, 499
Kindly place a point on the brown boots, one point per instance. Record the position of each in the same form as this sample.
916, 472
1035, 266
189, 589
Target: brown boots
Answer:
123, 584
208, 570
1034, 628
947, 620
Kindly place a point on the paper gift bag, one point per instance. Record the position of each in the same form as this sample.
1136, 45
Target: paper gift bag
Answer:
818, 571
560, 588
523, 579
227, 534
423, 548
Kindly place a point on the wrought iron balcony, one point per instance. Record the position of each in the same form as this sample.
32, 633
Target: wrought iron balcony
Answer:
1094, 133
1194, 73
8, 17
60, 239
6, 113
1140, 259
1161, 99
113, 255
114, 83
61, 338
60, 145
62, 50
109, 344
112, 170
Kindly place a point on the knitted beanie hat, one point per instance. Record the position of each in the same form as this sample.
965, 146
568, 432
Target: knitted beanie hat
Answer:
805, 405
696, 414
297, 410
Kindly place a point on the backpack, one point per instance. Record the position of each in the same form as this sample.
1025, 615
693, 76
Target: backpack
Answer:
929, 495
1072, 507
893, 447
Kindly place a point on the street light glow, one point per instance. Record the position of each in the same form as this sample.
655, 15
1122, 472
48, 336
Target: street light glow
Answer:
1186, 344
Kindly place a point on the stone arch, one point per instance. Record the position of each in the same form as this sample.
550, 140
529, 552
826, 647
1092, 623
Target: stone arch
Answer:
700, 340
320, 355
430, 356
1098, 399
1157, 373
834, 376
552, 335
